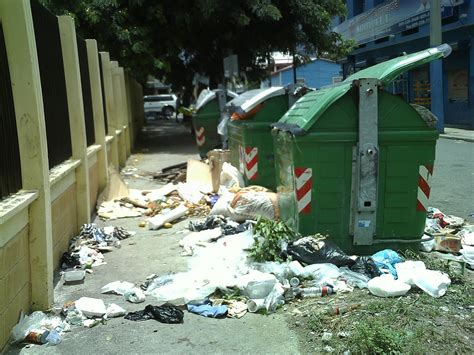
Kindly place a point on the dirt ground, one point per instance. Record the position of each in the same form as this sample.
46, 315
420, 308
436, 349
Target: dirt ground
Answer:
416, 323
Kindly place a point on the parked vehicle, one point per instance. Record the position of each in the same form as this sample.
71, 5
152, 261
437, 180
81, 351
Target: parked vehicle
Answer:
157, 106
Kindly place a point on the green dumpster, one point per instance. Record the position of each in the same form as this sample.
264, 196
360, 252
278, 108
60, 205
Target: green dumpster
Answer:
354, 161
206, 118
249, 133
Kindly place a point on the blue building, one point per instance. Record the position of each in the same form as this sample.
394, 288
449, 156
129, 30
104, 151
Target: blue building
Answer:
386, 29
315, 74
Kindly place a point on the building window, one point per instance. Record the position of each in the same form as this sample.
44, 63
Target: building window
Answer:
359, 7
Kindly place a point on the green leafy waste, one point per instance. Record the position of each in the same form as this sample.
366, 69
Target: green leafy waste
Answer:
269, 237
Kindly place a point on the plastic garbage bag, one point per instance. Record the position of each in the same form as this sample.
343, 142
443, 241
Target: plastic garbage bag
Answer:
192, 240
221, 206
166, 313
314, 250
134, 295
427, 243
365, 265
354, 279
386, 286
385, 261
251, 205
406, 270
468, 254
37, 321
280, 270
321, 273
275, 298
230, 176
434, 283
189, 193
257, 284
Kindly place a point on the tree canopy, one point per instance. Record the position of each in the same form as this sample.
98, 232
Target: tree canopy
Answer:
178, 38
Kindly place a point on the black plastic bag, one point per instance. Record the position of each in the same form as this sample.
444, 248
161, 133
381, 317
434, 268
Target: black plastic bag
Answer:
70, 261
165, 314
365, 265
312, 250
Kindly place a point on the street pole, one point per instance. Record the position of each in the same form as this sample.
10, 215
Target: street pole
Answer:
436, 67
294, 69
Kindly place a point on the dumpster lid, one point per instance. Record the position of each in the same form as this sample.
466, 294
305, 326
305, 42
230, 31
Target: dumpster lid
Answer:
250, 99
207, 95
307, 110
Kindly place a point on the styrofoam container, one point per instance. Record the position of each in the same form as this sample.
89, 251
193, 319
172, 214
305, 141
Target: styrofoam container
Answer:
434, 283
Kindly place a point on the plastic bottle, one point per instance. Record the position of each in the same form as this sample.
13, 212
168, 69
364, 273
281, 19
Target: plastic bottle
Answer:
316, 291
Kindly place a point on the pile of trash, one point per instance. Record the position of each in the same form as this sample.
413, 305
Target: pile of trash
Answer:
450, 234
86, 250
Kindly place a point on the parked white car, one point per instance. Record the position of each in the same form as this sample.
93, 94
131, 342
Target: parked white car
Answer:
165, 105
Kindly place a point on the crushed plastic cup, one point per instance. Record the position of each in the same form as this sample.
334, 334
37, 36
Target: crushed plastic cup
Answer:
255, 305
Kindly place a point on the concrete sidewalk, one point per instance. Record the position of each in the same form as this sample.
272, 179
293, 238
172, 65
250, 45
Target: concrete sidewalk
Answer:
458, 134
157, 252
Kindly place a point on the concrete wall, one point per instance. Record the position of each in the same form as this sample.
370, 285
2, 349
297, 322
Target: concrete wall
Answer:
37, 223
15, 287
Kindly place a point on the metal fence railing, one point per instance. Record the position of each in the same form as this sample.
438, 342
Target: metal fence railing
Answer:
10, 168
53, 84
86, 90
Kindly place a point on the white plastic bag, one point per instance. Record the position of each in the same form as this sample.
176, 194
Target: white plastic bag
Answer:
386, 286
321, 273
468, 254
230, 176
117, 287
256, 284
221, 207
408, 269
134, 295
251, 205
194, 239
427, 243
434, 283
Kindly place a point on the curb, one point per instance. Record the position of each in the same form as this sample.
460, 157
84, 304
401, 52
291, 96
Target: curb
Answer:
466, 139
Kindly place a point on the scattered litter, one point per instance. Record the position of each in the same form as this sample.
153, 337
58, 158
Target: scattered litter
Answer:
74, 276
91, 307
227, 225
37, 328
159, 220
114, 310
385, 261
386, 286
408, 269
317, 249
192, 240
434, 283
134, 295
117, 287
206, 309
327, 336
365, 265
163, 314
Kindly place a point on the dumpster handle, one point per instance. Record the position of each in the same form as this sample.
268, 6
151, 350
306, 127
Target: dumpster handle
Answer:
377, 241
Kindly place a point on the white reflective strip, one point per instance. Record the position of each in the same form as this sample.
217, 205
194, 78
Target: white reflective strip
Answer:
425, 174
422, 198
200, 131
251, 155
305, 201
201, 141
305, 176
251, 172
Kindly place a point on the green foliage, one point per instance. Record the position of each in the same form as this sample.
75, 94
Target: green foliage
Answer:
177, 38
269, 236
375, 337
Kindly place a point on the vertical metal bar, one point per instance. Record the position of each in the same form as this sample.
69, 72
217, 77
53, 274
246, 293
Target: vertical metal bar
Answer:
365, 202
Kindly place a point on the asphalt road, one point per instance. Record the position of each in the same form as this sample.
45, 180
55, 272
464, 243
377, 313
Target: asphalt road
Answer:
452, 188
